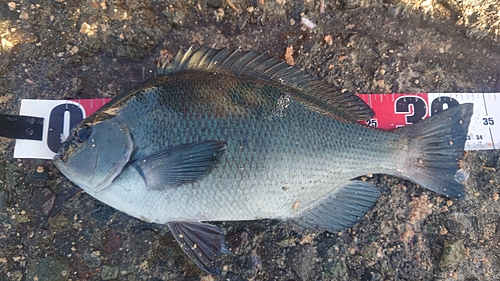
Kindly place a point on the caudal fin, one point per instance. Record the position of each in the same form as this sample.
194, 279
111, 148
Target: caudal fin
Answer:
436, 144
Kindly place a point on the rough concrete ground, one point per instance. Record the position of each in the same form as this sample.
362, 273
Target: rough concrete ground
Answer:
50, 230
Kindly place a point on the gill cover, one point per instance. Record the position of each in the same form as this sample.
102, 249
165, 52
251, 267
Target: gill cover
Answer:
95, 154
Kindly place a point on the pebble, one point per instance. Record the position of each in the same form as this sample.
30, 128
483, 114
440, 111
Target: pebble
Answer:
238, 239
308, 23
350, 4
495, 196
453, 253
302, 259
48, 269
112, 241
372, 274
452, 226
109, 272
461, 175
3, 198
328, 39
443, 231
74, 50
24, 15
335, 270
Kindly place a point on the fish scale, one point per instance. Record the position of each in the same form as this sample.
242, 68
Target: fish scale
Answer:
223, 136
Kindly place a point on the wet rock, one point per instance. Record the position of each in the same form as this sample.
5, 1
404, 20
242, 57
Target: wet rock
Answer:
109, 272
247, 264
58, 221
242, 21
103, 214
234, 277
279, 272
3, 199
14, 276
43, 200
216, 4
175, 17
10, 176
453, 226
38, 177
118, 13
92, 260
335, 270
287, 242
453, 253
468, 222
496, 234
385, 190
298, 8
143, 242
78, 85
112, 241
48, 269
129, 52
328, 241
63, 242
236, 240
301, 261
412, 270
372, 274
350, 4
255, 260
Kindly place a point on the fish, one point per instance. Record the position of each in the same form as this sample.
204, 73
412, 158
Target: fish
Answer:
232, 135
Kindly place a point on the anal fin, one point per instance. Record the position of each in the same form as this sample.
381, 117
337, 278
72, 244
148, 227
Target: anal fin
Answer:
342, 209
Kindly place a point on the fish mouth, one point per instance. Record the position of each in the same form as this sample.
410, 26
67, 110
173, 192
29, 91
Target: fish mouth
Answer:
58, 159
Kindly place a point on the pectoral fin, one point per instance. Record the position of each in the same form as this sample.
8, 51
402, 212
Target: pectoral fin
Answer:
342, 209
180, 164
202, 242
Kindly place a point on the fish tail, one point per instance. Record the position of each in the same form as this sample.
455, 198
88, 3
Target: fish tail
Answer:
435, 146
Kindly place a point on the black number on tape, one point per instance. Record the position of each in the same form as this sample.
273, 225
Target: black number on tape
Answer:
56, 123
488, 121
438, 104
403, 105
372, 122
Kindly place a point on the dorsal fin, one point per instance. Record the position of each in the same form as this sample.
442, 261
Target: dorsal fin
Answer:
260, 65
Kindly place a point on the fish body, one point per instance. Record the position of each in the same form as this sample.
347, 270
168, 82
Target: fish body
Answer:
222, 136
281, 156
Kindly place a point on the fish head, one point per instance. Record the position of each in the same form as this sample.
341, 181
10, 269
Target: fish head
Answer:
95, 153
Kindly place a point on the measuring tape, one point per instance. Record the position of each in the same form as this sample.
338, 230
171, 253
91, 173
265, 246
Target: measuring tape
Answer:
396, 110
42, 123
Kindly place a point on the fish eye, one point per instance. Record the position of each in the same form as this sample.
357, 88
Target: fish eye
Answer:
83, 133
